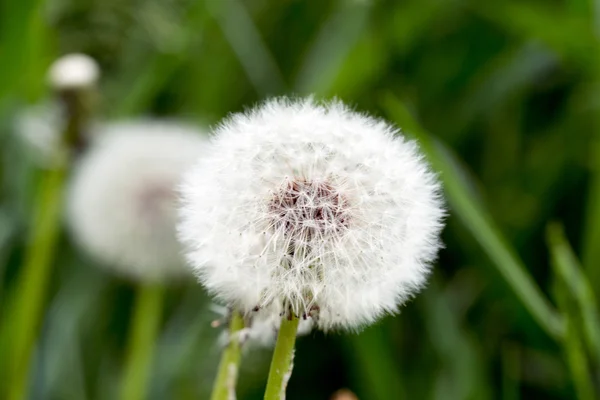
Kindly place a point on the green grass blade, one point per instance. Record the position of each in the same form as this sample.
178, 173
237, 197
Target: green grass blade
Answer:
462, 373
160, 67
536, 22
573, 348
252, 51
331, 47
374, 367
21, 37
32, 285
474, 217
568, 270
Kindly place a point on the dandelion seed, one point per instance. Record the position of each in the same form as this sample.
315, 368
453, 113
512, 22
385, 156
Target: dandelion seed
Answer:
311, 208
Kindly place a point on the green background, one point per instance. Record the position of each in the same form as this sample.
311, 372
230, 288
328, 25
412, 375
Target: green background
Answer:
503, 94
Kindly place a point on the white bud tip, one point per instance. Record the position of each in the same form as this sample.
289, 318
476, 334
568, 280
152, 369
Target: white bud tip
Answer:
73, 71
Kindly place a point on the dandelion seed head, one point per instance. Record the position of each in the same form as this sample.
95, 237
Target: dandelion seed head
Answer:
314, 208
122, 206
73, 71
303, 210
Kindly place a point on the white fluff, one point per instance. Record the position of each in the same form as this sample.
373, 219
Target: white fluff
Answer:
261, 329
73, 71
39, 128
122, 200
314, 207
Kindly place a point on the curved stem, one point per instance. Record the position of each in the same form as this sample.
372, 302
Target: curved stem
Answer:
283, 356
143, 333
32, 284
224, 387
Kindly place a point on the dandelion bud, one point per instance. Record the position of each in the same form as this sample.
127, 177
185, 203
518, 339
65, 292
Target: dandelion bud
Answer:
122, 201
312, 209
73, 71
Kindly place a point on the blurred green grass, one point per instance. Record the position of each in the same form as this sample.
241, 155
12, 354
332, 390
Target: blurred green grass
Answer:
508, 88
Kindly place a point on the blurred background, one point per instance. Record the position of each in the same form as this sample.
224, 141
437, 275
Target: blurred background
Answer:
504, 96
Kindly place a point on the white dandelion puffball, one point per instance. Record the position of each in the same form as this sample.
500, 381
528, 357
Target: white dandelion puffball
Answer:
314, 208
122, 204
73, 71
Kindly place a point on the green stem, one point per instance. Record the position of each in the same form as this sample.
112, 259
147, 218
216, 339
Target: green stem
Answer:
224, 387
143, 333
281, 364
31, 287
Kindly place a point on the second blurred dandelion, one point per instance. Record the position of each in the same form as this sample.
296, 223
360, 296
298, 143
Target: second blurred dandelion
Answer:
122, 203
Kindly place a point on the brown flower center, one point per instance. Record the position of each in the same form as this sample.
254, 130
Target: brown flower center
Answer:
304, 210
